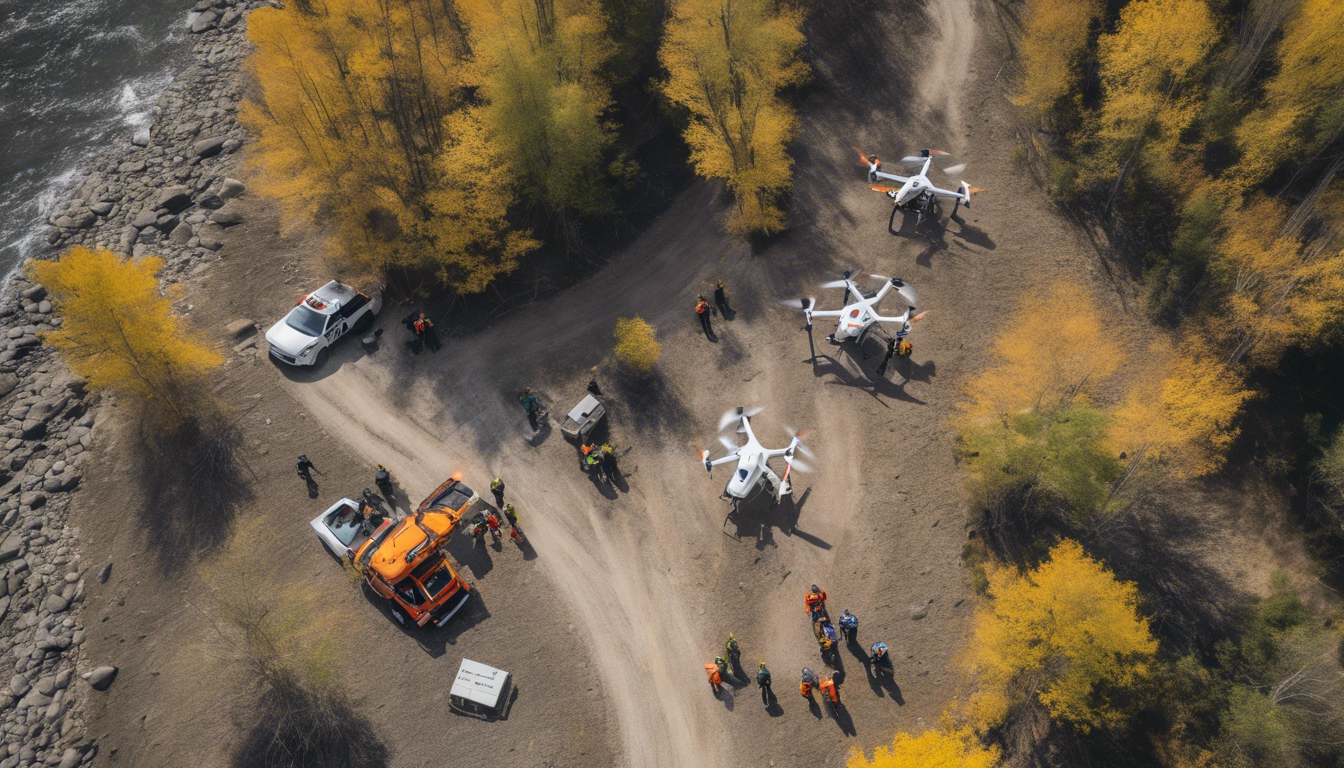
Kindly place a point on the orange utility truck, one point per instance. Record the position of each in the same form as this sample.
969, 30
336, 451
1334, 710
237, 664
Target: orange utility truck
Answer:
407, 562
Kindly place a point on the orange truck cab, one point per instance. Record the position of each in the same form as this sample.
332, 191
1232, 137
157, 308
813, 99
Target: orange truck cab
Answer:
407, 562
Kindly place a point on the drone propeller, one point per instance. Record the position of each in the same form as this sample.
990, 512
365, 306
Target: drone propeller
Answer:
727, 442
835, 284
877, 188
955, 170
736, 415
702, 453
801, 446
800, 466
807, 303
920, 316
972, 190
865, 159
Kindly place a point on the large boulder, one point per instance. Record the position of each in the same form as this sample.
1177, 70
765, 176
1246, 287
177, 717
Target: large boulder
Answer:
204, 21
227, 216
181, 234
231, 188
101, 678
101, 208
145, 218
173, 199
208, 147
131, 166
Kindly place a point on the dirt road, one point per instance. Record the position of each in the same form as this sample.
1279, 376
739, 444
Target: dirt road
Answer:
646, 571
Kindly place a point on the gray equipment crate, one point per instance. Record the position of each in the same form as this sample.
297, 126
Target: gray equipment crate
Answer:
580, 422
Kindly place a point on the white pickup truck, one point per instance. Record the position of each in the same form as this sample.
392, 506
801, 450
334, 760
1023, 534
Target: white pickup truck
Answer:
318, 320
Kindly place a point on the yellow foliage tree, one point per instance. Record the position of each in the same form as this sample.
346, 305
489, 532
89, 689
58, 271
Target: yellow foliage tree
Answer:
1281, 291
726, 62
118, 331
1182, 410
1150, 74
351, 130
1054, 348
538, 65
931, 749
636, 345
1053, 38
1303, 106
1067, 634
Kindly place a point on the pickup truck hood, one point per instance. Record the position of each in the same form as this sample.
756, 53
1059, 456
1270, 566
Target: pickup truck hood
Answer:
287, 340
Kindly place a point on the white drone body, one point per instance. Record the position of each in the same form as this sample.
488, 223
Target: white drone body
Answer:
753, 470
917, 192
858, 317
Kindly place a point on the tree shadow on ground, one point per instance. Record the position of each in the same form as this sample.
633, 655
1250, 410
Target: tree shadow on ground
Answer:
192, 479
648, 403
301, 725
1151, 543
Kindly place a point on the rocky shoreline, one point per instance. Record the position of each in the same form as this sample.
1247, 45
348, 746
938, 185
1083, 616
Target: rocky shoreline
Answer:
165, 192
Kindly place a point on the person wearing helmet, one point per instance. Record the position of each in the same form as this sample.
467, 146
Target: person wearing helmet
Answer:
497, 488
815, 601
715, 677
371, 498
830, 690
879, 660
734, 651
849, 624
763, 682
809, 681
383, 479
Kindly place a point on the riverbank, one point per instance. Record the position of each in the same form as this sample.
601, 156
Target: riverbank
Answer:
163, 191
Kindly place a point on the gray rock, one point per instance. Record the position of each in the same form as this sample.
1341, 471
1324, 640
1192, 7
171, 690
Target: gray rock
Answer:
46, 685
239, 327
181, 234
8, 381
84, 219
204, 22
60, 483
19, 685
173, 199
918, 612
131, 166
64, 222
226, 217
11, 546
34, 499
231, 188
34, 292
145, 218
70, 758
101, 678
141, 138
44, 307
104, 573
4, 605
55, 603
208, 147
102, 209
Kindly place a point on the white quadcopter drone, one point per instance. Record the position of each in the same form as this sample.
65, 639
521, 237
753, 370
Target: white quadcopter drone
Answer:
917, 193
753, 472
858, 318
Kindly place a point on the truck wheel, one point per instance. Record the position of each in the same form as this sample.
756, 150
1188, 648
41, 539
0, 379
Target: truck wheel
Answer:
322, 355
363, 323
400, 616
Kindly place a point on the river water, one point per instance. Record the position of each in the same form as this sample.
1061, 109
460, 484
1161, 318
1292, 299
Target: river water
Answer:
75, 75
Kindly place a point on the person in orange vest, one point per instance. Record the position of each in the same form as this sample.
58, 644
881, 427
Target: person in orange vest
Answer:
715, 678
702, 311
492, 523
829, 690
424, 328
809, 680
815, 602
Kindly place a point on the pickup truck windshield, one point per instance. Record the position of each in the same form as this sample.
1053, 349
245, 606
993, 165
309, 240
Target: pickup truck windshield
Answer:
306, 321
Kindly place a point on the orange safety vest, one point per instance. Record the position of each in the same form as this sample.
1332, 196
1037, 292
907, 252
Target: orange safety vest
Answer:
702, 307
813, 599
828, 688
712, 670
587, 449
419, 326
805, 688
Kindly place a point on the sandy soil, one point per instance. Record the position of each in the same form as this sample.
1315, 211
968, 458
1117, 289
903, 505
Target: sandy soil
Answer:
627, 590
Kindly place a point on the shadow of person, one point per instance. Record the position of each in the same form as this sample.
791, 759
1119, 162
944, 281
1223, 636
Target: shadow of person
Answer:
972, 234
540, 434
814, 707
894, 690
525, 546
472, 553
312, 486
843, 719
727, 697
